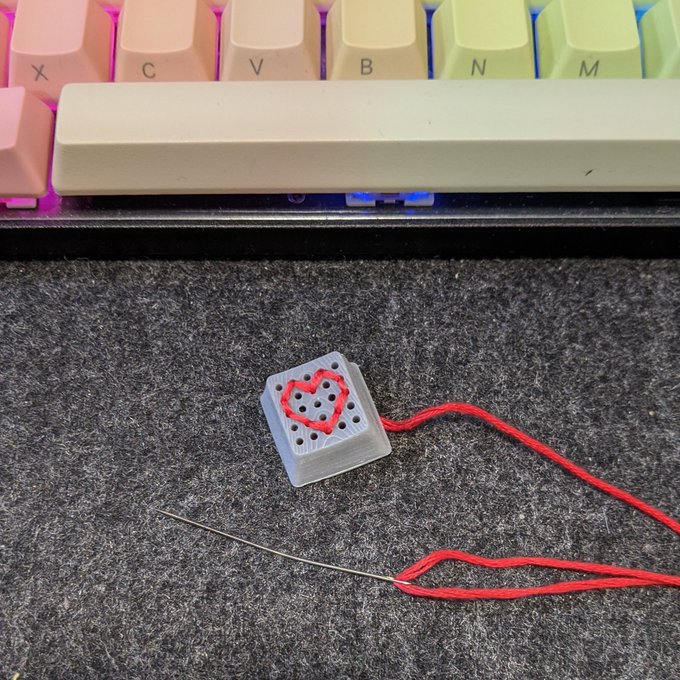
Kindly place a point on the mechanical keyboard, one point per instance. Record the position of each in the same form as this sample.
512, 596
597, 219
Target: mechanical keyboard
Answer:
289, 127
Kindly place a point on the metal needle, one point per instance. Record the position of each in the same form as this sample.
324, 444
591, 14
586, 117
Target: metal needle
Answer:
278, 553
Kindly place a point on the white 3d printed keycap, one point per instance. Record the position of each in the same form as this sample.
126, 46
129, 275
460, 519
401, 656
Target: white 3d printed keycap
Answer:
323, 419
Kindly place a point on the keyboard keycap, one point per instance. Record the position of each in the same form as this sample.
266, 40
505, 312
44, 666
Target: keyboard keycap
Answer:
25, 144
588, 39
55, 43
376, 39
4, 45
166, 40
660, 31
271, 40
382, 136
483, 39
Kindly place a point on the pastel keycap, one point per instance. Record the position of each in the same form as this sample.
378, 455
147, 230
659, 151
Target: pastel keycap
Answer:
588, 39
166, 40
376, 39
55, 43
25, 144
374, 136
271, 40
483, 39
660, 32
4, 46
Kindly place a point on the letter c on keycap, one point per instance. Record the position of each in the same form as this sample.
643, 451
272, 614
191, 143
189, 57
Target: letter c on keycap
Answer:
148, 70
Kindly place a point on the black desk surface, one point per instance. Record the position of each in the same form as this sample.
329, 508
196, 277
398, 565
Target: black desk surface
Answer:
131, 386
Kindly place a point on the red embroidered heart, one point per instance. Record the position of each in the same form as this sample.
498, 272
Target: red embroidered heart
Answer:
325, 426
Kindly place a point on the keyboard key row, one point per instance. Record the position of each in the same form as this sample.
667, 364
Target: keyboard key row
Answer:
391, 137
325, 4
176, 40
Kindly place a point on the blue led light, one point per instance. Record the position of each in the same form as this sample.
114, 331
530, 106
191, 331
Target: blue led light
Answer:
412, 199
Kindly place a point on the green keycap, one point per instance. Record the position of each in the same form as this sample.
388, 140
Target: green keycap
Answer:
660, 31
588, 39
535, 5
540, 4
483, 39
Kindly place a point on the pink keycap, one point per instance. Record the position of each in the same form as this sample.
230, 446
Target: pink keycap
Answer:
25, 144
4, 42
56, 43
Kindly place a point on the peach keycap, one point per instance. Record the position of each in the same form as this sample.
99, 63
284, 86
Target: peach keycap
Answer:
271, 40
166, 40
25, 144
4, 45
55, 43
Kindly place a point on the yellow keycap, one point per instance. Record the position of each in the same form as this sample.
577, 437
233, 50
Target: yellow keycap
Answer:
271, 40
660, 31
379, 39
483, 39
166, 40
588, 39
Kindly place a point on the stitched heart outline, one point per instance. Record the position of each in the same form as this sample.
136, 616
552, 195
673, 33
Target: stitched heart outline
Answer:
310, 387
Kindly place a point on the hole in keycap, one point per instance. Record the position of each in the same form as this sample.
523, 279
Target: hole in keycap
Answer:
314, 436
342, 424
299, 441
295, 428
307, 376
298, 395
356, 419
325, 384
334, 365
279, 388
317, 403
350, 405
323, 416
331, 397
303, 408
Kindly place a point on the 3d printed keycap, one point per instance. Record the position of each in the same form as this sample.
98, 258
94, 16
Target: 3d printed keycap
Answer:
323, 419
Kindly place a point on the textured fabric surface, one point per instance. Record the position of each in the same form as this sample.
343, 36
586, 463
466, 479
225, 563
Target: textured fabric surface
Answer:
132, 386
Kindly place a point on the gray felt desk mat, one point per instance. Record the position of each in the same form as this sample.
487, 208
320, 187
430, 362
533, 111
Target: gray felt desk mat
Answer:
129, 386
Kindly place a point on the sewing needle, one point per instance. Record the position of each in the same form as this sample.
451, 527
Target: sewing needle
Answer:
278, 553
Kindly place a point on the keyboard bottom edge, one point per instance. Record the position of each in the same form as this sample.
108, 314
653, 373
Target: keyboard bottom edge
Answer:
501, 225
339, 243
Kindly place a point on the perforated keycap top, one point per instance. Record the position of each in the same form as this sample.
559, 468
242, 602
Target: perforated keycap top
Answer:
323, 419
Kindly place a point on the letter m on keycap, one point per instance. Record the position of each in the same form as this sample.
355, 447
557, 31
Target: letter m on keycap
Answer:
591, 72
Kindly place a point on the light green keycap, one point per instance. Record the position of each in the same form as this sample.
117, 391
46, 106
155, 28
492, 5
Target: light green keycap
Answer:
540, 4
535, 5
588, 39
660, 31
483, 39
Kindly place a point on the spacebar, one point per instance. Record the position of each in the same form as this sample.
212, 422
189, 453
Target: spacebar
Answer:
390, 136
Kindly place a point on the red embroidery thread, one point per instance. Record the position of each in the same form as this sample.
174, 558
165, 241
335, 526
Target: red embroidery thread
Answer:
618, 577
311, 386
